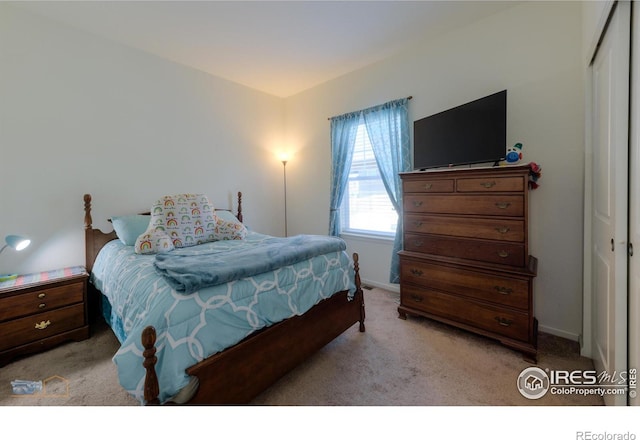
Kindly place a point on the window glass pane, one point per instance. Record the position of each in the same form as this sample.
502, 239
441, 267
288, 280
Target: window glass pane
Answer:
366, 206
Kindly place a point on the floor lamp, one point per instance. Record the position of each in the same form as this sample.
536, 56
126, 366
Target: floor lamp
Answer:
284, 169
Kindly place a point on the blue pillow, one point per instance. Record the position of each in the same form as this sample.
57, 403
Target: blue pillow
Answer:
129, 227
227, 216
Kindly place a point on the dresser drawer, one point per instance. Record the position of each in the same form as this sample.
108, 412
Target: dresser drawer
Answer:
41, 299
491, 184
490, 229
494, 319
40, 326
429, 186
485, 204
495, 288
512, 254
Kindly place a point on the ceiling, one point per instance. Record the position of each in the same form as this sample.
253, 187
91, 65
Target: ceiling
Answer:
278, 47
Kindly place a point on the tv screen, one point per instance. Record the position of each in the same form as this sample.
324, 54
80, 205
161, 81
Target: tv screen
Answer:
474, 132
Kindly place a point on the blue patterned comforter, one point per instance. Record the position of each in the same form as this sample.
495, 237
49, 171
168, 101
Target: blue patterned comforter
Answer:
196, 325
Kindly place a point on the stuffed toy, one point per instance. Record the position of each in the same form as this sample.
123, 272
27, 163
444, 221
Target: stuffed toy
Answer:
514, 154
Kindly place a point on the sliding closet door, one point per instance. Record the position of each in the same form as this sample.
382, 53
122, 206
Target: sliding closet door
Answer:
634, 203
610, 121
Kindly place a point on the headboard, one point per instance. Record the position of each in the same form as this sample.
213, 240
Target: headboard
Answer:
95, 239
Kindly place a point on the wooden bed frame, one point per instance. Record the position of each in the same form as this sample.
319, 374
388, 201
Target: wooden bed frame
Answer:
239, 373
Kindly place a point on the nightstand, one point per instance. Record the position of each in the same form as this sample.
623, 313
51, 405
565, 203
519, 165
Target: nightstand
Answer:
41, 310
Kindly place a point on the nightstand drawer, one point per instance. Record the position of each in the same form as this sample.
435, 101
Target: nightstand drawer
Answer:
505, 322
40, 300
39, 326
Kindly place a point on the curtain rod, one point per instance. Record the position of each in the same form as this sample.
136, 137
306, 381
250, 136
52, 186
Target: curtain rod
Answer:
408, 97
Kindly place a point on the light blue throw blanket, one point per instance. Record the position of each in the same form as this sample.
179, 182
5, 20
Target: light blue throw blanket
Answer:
188, 269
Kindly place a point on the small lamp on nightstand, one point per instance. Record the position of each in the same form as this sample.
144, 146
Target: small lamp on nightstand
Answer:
18, 243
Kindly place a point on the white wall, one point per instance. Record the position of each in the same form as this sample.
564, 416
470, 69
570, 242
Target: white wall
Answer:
80, 114
532, 50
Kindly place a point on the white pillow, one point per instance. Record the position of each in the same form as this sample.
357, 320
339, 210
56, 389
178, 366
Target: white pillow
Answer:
184, 220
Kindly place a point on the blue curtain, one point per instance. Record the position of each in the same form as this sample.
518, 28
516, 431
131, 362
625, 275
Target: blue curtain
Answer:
388, 129
343, 139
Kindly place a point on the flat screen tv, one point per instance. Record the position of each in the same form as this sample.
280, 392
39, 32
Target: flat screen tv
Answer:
471, 133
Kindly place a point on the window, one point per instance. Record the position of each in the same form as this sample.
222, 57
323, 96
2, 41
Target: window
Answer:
366, 207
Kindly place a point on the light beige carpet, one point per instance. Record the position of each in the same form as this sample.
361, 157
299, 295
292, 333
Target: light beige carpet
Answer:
395, 362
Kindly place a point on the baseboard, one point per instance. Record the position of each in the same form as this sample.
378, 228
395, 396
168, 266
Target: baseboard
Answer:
560, 333
390, 287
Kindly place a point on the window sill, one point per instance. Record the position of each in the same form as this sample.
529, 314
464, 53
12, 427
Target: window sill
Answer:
368, 236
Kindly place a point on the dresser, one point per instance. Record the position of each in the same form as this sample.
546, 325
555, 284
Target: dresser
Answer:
41, 310
466, 257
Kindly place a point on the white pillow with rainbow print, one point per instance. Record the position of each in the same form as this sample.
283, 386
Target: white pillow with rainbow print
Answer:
183, 220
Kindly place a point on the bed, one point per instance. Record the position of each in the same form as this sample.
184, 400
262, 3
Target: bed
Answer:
222, 343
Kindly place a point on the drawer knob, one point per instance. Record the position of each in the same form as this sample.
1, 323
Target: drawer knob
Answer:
416, 298
428, 185
504, 321
42, 325
42, 305
503, 205
488, 184
416, 272
503, 254
504, 290
42, 295
417, 203
503, 229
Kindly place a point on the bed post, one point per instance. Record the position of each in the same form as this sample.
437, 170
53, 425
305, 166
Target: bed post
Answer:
88, 238
151, 386
359, 293
239, 215
94, 239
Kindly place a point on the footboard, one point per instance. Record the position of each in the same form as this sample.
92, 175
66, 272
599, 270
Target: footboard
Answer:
240, 373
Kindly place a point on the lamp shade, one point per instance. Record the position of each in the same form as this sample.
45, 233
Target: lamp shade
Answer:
17, 242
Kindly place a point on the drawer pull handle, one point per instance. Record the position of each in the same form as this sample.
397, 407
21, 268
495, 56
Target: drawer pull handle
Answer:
503, 254
42, 305
42, 295
428, 185
504, 290
504, 321
418, 243
416, 272
503, 205
416, 298
488, 184
417, 203
503, 229
418, 223
42, 325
